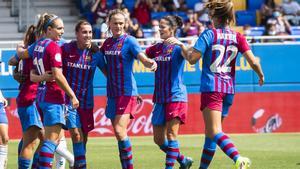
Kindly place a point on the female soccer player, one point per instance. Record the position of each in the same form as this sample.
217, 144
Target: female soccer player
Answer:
47, 57
120, 50
28, 114
80, 59
170, 95
219, 47
3, 132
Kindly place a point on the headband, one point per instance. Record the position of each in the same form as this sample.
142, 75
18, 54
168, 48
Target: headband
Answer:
50, 22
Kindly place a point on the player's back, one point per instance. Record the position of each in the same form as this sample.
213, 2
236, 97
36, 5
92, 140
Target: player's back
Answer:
220, 48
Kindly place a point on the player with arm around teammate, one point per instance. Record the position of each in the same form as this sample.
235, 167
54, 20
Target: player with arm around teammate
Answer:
80, 60
170, 95
47, 57
219, 47
119, 51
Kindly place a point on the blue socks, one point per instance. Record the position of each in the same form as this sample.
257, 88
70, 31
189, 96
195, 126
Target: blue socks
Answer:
46, 155
207, 153
79, 155
23, 163
125, 153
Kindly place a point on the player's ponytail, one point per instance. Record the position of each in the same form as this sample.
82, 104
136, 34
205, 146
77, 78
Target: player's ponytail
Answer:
222, 9
29, 37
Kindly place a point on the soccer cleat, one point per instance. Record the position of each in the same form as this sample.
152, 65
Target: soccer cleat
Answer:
188, 163
242, 163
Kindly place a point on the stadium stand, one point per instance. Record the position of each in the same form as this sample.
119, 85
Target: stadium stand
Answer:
9, 28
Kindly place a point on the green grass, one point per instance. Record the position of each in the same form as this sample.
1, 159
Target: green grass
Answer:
266, 151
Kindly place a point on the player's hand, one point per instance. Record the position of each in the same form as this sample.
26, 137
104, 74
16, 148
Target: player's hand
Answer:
139, 99
154, 65
48, 77
75, 102
4, 101
261, 80
173, 41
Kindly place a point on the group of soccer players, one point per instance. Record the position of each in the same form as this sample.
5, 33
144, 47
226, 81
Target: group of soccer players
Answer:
56, 83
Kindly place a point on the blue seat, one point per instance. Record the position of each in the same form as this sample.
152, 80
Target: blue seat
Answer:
295, 30
245, 18
110, 3
158, 15
191, 3
129, 5
254, 5
147, 33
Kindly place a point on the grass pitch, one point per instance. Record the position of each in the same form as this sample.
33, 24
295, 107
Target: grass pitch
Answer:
266, 151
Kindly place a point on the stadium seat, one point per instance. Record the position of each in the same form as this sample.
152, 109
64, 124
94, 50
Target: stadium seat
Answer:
245, 18
191, 3
253, 5
295, 30
147, 33
110, 3
239, 5
158, 15
257, 31
183, 15
129, 5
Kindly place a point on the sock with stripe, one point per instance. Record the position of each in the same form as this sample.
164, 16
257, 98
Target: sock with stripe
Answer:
125, 153
3, 156
79, 153
226, 145
47, 154
208, 152
35, 160
23, 163
172, 153
181, 158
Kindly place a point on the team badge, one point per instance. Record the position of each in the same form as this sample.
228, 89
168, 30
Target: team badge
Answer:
88, 58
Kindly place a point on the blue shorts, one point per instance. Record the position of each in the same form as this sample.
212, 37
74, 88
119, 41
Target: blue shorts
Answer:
72, 118
227, 102
53, 113
29, 116
3, 116
158, 115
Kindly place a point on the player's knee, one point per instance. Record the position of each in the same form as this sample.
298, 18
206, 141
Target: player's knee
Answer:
120, 133
76, 137
4, 140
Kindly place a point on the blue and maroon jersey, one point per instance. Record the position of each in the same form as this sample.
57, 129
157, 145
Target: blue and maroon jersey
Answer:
28, 89
47, 55
79, 67
219, 49
169, 85
119, 54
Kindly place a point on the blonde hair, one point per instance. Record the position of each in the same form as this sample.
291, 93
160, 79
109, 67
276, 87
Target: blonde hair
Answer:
222, 9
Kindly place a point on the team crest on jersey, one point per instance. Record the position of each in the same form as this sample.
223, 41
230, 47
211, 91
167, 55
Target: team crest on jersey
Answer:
169, 50
88, 58
119, 46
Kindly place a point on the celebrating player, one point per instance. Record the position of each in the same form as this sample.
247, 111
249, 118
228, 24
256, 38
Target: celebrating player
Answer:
170, 95
120, 50
219, 47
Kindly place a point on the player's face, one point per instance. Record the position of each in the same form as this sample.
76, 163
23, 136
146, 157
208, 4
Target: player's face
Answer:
117, 24
84, 36
165, 29
57, 30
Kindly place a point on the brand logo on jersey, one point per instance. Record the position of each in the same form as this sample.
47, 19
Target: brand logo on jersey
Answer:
162, 59
78, 65
58, 57
71, 56
112, 52
39, 48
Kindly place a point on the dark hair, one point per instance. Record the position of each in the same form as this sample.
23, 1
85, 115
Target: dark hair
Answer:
80, 23
114, 12
29, 37
174, 21
222, 9
45, 20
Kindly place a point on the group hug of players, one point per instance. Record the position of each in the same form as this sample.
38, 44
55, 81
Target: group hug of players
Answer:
56, 88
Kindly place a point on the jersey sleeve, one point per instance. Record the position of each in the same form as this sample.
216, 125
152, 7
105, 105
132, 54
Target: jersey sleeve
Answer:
150, 51
204, 41
101, 61
242, 43
30, 50
134, 47
54, 53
